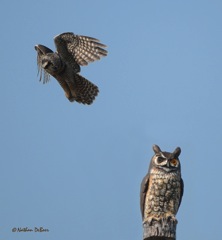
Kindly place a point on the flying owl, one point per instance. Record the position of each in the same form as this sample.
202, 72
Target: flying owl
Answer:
72, 52
162, 188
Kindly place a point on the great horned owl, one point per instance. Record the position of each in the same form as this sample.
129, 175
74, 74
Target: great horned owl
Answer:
64, 64
162, 188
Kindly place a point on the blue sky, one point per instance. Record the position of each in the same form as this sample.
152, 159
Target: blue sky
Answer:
75, 169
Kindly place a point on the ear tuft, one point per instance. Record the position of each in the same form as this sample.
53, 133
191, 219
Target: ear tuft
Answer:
177, 152
156, 148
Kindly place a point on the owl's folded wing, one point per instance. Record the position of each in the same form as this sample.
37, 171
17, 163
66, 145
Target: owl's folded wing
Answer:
143, 190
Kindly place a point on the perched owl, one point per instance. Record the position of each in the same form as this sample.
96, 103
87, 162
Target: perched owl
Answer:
64, 64
162, 188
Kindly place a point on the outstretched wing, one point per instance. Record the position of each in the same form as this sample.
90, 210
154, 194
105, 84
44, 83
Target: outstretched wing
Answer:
82, 49
143, 191
41, 51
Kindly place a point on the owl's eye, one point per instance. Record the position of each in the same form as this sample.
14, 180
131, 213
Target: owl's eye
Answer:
174, 162
45, 64
160, 161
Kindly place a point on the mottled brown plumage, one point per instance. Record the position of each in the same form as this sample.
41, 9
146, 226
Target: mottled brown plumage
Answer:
64, 64
162, 188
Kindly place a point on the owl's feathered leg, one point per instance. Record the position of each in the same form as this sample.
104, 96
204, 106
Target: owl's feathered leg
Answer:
66, 89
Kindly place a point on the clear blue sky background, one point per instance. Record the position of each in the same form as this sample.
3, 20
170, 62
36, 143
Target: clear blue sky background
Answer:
75, 169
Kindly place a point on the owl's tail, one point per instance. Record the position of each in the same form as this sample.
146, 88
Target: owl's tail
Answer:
83, 91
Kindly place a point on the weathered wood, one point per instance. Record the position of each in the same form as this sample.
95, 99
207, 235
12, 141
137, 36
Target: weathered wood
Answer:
160, 229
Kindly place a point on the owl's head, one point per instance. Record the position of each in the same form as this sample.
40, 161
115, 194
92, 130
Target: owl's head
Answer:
52, 63
165, 161
48, 62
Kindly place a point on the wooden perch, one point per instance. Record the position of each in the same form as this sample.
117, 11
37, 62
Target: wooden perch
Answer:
161, 229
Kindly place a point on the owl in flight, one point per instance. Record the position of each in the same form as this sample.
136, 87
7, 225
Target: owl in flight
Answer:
72, 52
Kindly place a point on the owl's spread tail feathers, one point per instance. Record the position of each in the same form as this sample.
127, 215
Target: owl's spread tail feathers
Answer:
83, 91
